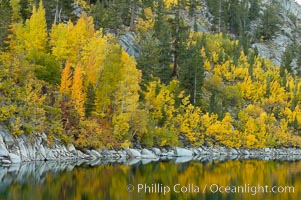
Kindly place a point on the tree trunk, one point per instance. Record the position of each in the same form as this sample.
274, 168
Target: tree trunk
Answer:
56, 12
194, 89
219, 15
176, 43
133, 16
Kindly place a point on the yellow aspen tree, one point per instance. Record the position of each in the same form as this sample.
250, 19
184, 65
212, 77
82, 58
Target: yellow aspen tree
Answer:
93, 56
189, 123
82, 3
16, 39
160, 103
33, 111
108, 83
79, 36
148, 24
59, 41
227, 135
35, 30
126, 96
208, 122
66, 80
221, 132
15, 5
68, 41
169, 3
77, 93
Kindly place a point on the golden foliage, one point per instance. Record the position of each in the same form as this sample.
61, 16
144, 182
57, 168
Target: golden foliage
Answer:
146, 25
35, 30
77, 92
66, 80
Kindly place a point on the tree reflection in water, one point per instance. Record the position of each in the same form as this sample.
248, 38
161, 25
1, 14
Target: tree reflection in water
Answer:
110, 181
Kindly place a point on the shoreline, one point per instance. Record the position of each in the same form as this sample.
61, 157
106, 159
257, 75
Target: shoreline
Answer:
35, 147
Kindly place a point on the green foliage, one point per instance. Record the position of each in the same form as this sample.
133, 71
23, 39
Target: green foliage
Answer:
5, 13
270, 22
90, 101
163, 34
45, 66
286, 60
254, 9
147, 62
231, 16
110, 14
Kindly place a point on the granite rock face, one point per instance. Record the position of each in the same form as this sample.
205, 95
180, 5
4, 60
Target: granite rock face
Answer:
33, 147
288, 34
127, 41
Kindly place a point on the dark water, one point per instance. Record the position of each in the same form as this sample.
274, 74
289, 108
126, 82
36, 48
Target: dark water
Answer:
252, 179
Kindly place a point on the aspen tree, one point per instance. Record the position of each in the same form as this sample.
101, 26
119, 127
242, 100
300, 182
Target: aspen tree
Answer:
77, 93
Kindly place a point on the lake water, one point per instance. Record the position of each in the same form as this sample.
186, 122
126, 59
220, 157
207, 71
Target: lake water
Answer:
210, 180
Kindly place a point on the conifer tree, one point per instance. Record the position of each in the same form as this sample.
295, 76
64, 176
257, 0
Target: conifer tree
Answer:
90, 101
180, 33
298, 70
162, 32
6, 18
251, 65
15, 6
98, 14
192, 72
215, 8
287, 59
213, 103
254, 9
270, 22
148, 61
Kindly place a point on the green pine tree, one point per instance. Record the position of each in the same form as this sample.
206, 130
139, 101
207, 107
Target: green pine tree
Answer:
192, 73
270, 22
162, 32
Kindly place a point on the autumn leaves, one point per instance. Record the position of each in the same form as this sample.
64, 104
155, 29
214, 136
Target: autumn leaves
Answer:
92, 96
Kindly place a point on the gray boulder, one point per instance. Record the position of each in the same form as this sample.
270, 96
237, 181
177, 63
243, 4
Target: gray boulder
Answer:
5, 161
145, 153
14, 158
181, 152
133, 153
156, 151
95, 153
245, 152
81, 154
71, 148
7, 138
3, 150
233, 151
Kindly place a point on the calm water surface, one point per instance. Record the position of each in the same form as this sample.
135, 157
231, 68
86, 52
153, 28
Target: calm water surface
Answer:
252, 179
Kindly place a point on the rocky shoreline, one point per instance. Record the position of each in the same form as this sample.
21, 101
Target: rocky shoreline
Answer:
35, 147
